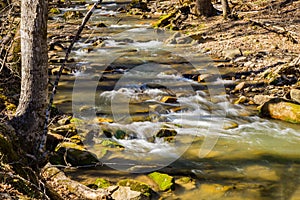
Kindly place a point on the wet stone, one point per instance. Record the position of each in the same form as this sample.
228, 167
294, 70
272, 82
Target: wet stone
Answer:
232, 53
166, 132
295, 95
261, 99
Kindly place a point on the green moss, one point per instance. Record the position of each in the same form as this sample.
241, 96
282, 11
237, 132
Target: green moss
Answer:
54, 11
111, 144
102, 183
185, 180
164, 20
164, 181
136, 186
76, 120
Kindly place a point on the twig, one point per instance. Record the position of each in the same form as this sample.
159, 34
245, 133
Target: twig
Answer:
42, 146
275, 29
6, 54
10, 174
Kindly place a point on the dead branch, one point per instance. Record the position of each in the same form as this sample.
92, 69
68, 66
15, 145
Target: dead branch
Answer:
56, 180
275, 29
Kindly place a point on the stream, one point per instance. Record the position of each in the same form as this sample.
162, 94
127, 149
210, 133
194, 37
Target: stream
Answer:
136, 88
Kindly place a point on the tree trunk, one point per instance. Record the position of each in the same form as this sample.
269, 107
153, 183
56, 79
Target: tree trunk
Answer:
30, 115
225, 8
205, 8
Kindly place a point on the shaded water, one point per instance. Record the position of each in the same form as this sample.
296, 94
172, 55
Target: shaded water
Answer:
230, 152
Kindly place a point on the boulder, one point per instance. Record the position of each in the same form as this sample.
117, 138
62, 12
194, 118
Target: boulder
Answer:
281, 109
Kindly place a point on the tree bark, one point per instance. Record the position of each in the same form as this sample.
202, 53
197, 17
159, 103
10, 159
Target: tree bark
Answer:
30, 115
205, 8
225, 8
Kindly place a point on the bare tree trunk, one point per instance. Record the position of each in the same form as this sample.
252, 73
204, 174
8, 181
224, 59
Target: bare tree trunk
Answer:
205, 8
225, 8
30, 115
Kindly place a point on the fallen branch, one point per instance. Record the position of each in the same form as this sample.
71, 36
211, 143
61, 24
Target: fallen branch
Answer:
65, 187
42, 147
275, 29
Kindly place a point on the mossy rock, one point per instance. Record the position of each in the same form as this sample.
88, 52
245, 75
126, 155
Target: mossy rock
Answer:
76, 120
136, 186
164, 181
73, 154
111, 144
102, 183
55, 11
164, 20
72, 15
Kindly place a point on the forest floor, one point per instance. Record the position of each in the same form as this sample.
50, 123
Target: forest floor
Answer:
259, 44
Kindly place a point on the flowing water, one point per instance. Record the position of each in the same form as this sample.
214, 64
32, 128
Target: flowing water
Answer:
137, 86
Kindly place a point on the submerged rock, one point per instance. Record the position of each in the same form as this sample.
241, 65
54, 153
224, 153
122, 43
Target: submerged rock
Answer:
164, 181
281, 109
186, 182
